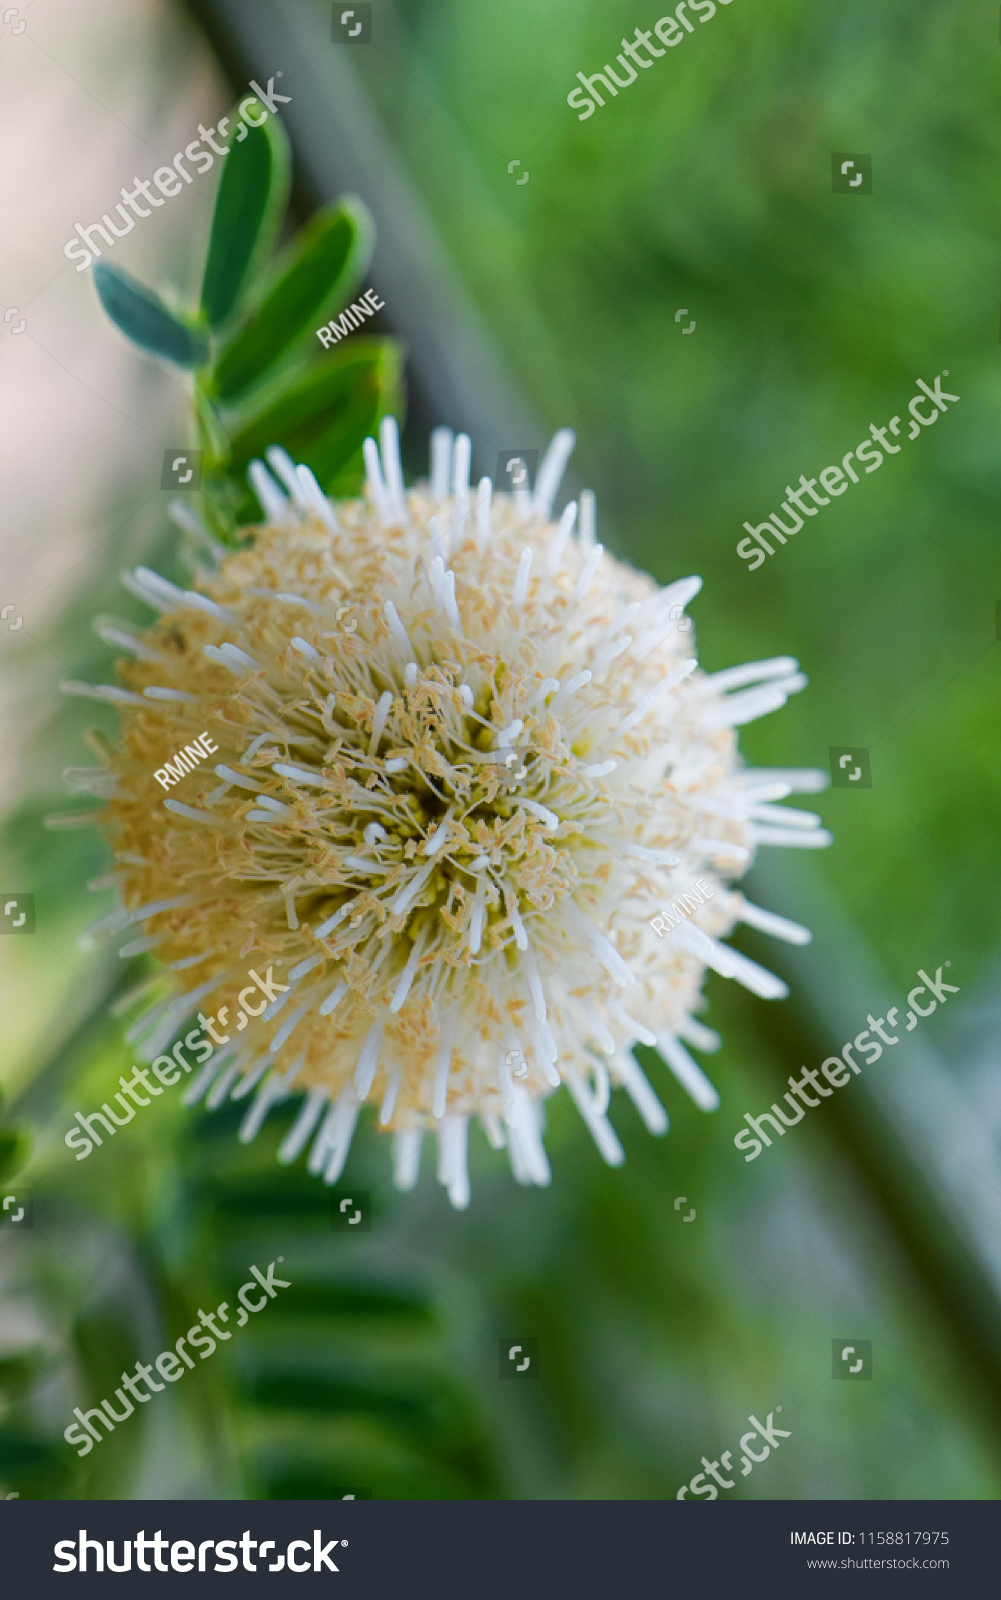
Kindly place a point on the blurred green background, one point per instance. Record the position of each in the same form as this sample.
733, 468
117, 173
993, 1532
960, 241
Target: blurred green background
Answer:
705, 185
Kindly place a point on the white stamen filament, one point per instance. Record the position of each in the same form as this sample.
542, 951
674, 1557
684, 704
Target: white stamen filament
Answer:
287, 1026
551, 470
238, 778
334, 998
376, 482
409, 972
721, 847
298, 1135
784, 816
601, 948
298, 774
441, 462
768, 922
521, 580
751, 672
411, 890
805, 780
283, 467
479, 915
189, 961
634, 1080
153, 908
611, 652
102, 691
398, 631
215, 654
688, 1072
543, 813
563, 532
389, 438
460, 479
407, 1158
316, 499
269, 497
382, 711
201, 602
792, 838
635, 1030
546, 687
451, 608
440, 1093
303, 648
699, 1035
588, 572
599, 1127
368, 1059
389, 1098
438, 839
649, 700
484, 494
111, 633
571, 687
193, 813
303, 967
587, 520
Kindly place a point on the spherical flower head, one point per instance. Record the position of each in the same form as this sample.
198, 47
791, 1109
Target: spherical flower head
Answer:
466, 834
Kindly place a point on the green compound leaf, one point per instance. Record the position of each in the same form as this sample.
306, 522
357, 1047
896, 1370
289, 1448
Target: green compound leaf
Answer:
319, 273
303, 411
251, 198
322, 419
144, 318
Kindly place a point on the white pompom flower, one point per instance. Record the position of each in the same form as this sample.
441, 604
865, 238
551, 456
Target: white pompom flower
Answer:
466, 766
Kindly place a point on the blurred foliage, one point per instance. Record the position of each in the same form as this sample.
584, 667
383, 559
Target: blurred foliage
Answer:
704, 185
